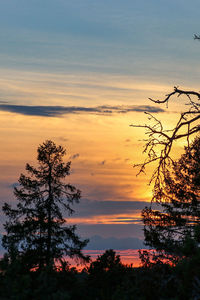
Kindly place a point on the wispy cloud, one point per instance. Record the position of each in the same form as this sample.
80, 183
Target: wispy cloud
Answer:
56, 111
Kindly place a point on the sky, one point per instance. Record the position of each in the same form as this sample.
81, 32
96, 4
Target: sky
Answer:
80, 73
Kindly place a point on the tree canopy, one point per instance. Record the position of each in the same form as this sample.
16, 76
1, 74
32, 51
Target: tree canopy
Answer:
36, 228
173, 223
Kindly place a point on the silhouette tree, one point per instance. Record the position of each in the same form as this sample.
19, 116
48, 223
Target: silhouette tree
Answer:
36, 230
107, 262
105, 274
159, 225
172, 225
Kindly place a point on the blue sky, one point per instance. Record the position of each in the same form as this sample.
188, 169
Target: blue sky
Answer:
138, 38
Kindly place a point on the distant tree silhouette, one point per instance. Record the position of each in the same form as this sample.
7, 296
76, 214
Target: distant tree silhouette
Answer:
36, 230
108, 261
172, 224
105, 275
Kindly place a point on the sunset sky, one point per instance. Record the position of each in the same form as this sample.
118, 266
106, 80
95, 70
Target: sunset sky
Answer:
79, 73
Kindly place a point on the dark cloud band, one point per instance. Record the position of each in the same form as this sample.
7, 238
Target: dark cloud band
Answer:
87, 208
56, 111
99, 243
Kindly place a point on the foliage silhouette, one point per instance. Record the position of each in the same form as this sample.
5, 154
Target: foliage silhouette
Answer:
106, 279
172, 227
35, 231
105, 274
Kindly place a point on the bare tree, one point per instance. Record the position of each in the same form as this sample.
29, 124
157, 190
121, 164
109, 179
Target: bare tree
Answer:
160, 141
172, 202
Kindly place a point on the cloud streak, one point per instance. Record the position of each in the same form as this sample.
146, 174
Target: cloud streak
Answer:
56, 111
99, 243
88, 208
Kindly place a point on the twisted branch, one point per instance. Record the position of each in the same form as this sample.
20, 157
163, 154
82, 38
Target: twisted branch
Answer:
158, 137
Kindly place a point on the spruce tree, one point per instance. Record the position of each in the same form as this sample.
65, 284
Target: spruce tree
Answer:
172, 222
36, 229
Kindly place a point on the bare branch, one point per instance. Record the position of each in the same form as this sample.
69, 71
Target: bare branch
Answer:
160, 142
179, 93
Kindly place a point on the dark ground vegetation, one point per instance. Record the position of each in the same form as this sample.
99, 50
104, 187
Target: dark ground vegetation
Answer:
105, 279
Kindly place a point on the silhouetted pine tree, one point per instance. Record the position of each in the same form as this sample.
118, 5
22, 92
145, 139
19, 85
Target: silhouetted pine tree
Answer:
36, 230
172, 224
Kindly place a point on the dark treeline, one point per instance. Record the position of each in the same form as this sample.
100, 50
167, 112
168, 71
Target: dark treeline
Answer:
105, 279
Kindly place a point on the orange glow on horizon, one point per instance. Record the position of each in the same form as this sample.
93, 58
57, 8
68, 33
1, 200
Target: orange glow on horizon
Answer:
128, 257
129, 218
